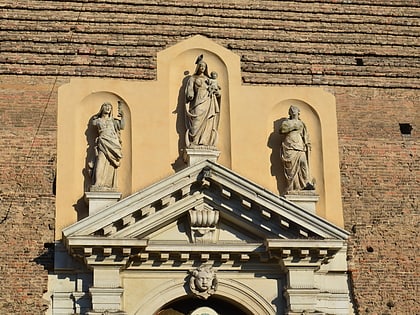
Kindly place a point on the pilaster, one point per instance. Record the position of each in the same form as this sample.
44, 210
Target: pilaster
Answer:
106, 291
62, 302
301, 294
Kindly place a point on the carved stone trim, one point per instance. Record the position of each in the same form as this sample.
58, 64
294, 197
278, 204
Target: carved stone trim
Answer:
306, 252
307, 201
203, 281
98, 200
203, 224
106, 300
197, 154
301, 300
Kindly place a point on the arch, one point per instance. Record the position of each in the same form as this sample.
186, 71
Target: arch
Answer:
311, 117
228, 289
89, 106
174, 65
190, 305
78, 101
198, 42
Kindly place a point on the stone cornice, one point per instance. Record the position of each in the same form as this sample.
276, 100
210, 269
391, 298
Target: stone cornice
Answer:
288, 253
177, 193
284, 233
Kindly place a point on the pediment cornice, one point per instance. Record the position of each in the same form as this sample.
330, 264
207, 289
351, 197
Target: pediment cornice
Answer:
281, 229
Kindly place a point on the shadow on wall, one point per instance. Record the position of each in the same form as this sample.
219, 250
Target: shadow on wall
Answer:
274, 143
179, 163
80, 206
46, 259
75, 298
188, 305
91, 135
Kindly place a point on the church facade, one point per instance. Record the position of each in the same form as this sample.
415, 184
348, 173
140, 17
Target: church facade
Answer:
211, 157
216, 231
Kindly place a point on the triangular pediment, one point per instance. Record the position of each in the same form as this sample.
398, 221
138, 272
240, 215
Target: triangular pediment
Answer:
162, 215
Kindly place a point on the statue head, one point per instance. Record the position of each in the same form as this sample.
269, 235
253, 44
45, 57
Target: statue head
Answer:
294, 112
106, 110
201, 67
203, 281
213, 75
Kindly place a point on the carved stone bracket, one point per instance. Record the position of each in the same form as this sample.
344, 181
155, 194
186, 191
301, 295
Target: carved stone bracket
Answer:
311, 253
203, 224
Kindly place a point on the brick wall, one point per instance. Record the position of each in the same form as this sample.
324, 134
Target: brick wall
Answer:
27, 170
364, 52
380, 179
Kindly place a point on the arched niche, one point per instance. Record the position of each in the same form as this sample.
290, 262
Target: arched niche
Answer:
77, 145
311, 119
91, 105
175, 65
310, 116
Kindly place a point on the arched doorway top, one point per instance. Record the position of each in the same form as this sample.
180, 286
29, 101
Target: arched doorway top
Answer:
228, 289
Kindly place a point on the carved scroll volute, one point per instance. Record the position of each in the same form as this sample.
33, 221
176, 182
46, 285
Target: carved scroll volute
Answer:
203, 224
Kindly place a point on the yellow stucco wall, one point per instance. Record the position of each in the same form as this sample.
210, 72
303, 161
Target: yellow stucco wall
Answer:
153, 137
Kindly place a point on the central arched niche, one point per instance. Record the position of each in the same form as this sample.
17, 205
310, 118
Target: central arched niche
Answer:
175, 65
186, 305
181, 68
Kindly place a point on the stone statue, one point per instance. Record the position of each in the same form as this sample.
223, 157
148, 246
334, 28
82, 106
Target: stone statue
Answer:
202, 107
203, 281
295, 152
213, 84
108, 147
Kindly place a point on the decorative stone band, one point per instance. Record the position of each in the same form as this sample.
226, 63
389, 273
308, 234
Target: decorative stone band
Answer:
314, 252
137, 252
99, 250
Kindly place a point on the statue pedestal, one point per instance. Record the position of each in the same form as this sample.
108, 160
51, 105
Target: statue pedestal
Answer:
194, 155
97, 200
305, 199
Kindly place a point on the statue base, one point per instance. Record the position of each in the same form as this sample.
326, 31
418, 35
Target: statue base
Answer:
98, 200
193, 155
306, 199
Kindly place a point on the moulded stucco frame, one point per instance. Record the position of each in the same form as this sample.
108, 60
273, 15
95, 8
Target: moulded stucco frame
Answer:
227, 288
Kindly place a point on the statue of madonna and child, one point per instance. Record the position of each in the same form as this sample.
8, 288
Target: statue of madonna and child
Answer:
202, 107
